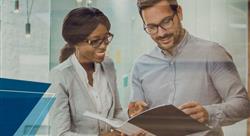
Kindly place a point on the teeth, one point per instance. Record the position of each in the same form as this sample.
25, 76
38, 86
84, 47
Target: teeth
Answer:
164, 40
100, 54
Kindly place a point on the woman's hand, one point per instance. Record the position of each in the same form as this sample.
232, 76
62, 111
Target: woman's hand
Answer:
113, 133
118, 133
139, 134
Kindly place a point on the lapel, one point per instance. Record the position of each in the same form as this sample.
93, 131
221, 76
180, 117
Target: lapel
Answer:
77, 74
108, 74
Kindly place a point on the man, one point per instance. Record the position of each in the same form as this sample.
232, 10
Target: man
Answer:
197, 76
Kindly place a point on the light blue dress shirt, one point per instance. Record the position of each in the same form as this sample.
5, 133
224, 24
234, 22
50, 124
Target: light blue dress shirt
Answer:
198, 70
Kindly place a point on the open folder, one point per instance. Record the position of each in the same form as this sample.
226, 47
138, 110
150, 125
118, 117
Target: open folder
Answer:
164, 120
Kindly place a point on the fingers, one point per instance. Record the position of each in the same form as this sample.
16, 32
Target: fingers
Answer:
122, 134
188, 105
114, 132
195, 110
202, 120
141, 133
137, 103
198, 115
136, 108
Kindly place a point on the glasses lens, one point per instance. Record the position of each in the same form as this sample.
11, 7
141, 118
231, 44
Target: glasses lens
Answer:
166, 23
96, 43
108, 39
151, 29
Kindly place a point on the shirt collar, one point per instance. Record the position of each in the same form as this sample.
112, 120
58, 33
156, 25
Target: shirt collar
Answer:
81, 71
77, 64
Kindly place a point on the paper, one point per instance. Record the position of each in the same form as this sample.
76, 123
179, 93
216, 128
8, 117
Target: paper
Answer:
122, 126
114, 122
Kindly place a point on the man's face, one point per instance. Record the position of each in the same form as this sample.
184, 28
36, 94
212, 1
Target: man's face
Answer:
158, 15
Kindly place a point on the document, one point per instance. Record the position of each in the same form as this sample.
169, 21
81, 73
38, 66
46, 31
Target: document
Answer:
164, 120
122, 126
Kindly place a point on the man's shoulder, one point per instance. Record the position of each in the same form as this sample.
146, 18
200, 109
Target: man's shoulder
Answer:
202, 43
149, 55
205, 47
148, 61
213, 50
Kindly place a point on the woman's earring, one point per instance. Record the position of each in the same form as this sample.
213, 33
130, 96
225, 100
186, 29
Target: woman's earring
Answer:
77, 53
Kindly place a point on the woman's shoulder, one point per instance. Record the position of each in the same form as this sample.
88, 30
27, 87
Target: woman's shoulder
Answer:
62, 70
63, 66
108, 61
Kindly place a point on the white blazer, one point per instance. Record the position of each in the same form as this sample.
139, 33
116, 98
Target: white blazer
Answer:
72, 100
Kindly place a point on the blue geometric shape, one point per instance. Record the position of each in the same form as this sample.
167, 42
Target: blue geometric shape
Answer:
21, 85
17, 99
34, 120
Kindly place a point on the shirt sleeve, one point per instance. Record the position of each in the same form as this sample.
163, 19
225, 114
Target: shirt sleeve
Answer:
137, 93
235, 104
60, 119
119, 112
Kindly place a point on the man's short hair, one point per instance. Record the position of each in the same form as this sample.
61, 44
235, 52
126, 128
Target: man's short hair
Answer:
143, 4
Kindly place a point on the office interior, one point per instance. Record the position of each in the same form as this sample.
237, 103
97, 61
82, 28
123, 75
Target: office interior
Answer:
30, 55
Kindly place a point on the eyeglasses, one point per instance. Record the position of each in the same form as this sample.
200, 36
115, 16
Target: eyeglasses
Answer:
95, 43
165, 24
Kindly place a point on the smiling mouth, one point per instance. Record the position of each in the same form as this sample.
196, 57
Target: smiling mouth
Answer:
166, 40
100, 54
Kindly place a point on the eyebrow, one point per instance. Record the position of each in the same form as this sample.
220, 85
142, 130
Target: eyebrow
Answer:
98, 36
167, 17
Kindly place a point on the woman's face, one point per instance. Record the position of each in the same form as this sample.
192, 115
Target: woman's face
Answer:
87, 51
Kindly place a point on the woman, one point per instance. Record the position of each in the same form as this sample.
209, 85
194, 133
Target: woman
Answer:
85, 80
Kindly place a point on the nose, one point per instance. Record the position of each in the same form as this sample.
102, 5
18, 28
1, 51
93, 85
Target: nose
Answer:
161, 31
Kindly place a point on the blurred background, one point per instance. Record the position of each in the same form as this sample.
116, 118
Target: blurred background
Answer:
30, 37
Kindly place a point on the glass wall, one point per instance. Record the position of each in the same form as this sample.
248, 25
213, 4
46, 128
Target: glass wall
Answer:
222, 21
24, 57
225, 22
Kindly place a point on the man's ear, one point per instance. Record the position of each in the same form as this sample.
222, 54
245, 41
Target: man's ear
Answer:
179, 13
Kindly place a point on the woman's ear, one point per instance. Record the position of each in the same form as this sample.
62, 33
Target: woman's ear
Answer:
77, 52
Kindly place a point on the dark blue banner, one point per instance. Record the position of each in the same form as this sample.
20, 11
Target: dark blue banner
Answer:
23, 106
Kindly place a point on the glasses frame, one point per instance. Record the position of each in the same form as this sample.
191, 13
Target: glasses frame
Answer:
156, 26
106, 39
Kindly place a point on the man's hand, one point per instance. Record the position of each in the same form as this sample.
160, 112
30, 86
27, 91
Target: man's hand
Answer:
136, 108
195, 110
